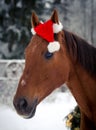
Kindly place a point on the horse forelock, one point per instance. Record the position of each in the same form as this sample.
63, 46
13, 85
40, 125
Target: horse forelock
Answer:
81, 52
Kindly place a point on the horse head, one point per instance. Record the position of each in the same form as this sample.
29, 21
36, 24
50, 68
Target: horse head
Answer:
46, 67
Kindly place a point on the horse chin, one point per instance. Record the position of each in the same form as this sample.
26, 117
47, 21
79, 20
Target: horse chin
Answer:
30, 115
31, 111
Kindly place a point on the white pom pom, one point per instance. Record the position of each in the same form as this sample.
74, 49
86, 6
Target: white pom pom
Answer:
33, 31
53, 46
57, 27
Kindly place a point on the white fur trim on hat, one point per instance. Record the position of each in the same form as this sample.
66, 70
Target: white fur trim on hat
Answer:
41, 22
53, 46
57, 27
33, 31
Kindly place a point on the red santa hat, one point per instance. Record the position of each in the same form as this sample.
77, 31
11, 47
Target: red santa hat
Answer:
46, 31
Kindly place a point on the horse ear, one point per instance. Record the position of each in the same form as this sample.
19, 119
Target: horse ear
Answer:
54, 17
34, 20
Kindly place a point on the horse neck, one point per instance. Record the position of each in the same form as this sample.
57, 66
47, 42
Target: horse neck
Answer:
81, 83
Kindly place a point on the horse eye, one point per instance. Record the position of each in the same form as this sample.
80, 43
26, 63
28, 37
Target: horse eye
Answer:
48, 55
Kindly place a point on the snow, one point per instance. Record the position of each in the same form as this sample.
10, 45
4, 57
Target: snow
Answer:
49, 115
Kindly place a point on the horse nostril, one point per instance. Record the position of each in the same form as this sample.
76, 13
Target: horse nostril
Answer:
22, 104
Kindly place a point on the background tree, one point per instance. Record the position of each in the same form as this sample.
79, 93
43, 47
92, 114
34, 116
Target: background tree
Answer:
83, 6
92, 21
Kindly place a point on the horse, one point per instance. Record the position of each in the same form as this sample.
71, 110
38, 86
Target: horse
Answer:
72, 63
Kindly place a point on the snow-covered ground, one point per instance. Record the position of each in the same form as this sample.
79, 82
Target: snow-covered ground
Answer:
49, 115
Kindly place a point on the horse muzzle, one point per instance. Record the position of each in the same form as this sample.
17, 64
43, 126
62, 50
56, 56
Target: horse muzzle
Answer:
25, 109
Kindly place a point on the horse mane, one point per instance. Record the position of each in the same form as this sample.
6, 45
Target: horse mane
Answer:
81, 52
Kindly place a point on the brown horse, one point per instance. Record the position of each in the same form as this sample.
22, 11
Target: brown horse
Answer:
74, 64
